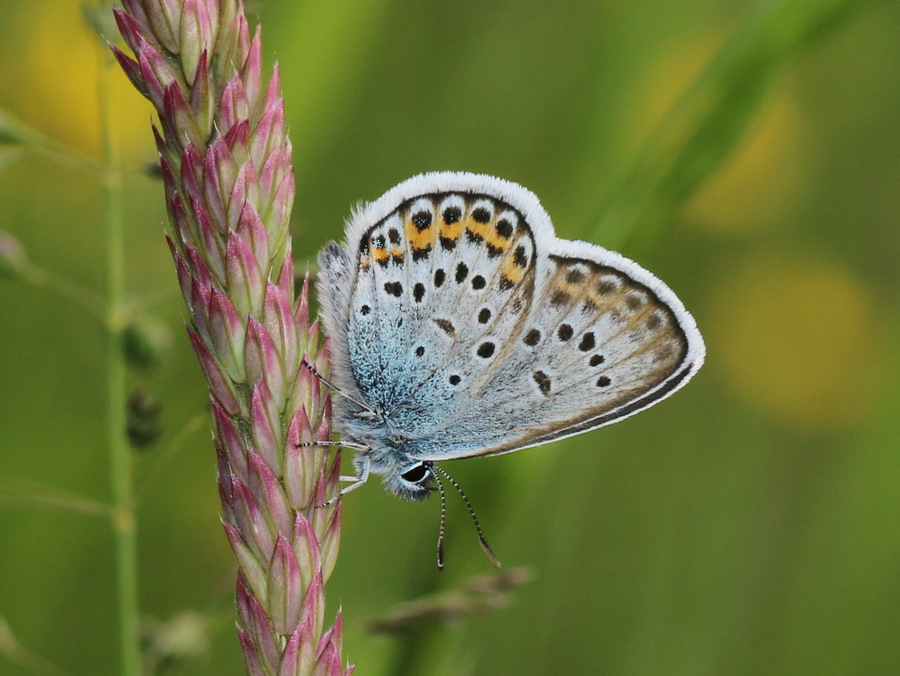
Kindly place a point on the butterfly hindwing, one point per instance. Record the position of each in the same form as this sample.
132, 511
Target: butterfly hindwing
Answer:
603, 340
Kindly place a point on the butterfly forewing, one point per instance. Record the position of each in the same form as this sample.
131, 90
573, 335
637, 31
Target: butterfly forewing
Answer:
442, 283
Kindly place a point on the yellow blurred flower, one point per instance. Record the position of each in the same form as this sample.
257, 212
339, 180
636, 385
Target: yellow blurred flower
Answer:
762, 183
797, 336
55, 74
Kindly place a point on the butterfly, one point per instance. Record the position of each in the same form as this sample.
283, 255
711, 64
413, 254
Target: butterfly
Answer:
462, 326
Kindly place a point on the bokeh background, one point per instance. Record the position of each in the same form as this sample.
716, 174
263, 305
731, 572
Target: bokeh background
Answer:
748, 525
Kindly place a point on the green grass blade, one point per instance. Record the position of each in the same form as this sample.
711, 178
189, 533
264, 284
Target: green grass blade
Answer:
706, 125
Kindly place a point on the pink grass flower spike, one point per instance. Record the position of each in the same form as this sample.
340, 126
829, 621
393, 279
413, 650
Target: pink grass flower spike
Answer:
226, 163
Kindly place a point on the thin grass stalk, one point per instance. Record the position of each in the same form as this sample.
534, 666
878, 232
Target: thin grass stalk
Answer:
124, 523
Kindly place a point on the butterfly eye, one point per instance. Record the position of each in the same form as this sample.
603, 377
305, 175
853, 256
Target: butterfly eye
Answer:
416, 474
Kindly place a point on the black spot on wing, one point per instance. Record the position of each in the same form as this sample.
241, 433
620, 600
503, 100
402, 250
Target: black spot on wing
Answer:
481, 215
543, 381
446, 326
521, 258
422, 220
452, 215
462, 270
588, 342
486, 349
575, 276
560, 298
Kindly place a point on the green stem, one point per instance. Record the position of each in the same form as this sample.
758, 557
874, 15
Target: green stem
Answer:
123, 521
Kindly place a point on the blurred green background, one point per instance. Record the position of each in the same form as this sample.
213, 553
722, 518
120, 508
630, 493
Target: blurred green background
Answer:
748, 525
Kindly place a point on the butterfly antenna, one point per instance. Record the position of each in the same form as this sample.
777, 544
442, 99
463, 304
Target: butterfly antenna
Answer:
440, 545
335, 388
484, 545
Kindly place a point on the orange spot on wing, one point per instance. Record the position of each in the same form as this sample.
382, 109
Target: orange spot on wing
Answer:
511, 271
419, 240
452, 231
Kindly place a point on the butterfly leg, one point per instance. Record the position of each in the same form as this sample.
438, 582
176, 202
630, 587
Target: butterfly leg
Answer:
337, 389
341, 444
357, 481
